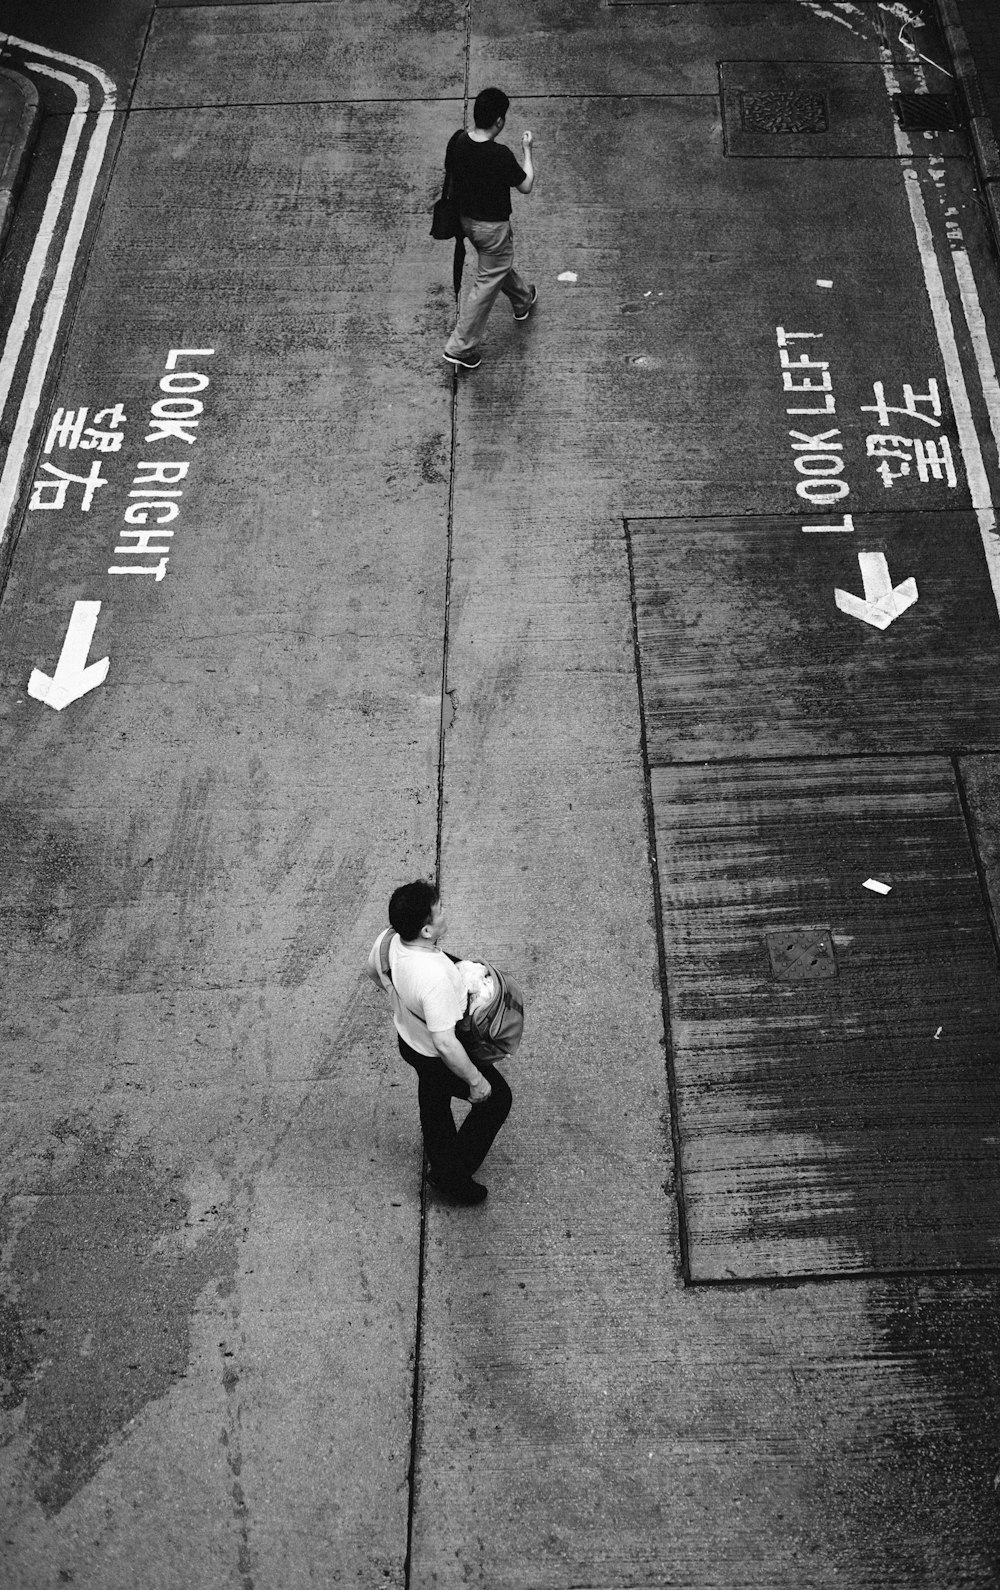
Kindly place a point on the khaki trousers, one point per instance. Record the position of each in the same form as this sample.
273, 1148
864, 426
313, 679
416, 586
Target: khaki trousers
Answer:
493, 242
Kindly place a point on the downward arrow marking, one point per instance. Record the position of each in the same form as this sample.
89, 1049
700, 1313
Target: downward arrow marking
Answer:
882, 601
72, 678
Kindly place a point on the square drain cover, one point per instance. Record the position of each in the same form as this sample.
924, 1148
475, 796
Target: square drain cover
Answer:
801, 956
926, 112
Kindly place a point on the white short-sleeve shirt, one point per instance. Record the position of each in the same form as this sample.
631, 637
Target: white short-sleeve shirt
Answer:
427, 992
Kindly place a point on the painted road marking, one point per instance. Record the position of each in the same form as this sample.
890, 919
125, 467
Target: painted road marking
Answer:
55, 303
43, 238
73, 677
975, 469
847, 523
976, 322
882, 602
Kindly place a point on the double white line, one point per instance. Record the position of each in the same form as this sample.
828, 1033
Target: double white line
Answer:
937, 293
89, 127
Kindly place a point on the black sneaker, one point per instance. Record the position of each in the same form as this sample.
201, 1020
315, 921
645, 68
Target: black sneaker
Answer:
468, 1192
531, 304
463, 361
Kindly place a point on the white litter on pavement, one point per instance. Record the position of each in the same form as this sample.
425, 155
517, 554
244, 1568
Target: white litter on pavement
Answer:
876, 887
939, 1032
822, 282
566, 276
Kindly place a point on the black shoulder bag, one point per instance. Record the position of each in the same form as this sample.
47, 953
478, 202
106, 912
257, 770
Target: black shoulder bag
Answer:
446, 221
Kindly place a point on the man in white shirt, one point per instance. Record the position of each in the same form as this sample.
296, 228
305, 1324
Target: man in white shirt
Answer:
428, 998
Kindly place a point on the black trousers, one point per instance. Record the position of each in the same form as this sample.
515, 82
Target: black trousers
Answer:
455, 1153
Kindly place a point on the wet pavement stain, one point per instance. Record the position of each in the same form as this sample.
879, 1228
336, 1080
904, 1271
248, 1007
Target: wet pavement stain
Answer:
43, 883
436, 16
433, 454
16, 1362
849, 1124
935, 1452
97, 1300
230, 1439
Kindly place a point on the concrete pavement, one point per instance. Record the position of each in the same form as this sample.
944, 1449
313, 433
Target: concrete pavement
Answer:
559, 623
19, 113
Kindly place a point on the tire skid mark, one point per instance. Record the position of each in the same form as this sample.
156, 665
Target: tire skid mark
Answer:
185, 869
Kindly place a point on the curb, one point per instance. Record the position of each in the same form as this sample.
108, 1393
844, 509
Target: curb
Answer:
984, 139
19, 118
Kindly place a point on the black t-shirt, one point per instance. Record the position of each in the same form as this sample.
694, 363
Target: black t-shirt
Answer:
483, 174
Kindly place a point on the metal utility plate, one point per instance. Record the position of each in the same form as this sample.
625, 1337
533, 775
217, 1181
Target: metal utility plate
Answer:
927, 112
760, 98
851, 1123
801, 955
744, 650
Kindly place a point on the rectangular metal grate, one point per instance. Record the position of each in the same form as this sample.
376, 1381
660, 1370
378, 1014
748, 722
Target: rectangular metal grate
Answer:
926, 112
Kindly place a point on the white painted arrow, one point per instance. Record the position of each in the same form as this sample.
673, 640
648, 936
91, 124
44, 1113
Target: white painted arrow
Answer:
72, 678
882, 602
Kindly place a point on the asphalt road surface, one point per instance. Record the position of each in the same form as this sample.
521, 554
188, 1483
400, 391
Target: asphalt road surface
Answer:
668, 640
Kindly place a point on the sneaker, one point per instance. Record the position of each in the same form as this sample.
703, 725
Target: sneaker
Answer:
531, 304
463, 361
469, 1192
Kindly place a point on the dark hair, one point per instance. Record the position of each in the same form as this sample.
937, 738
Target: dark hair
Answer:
491, 104
412, 906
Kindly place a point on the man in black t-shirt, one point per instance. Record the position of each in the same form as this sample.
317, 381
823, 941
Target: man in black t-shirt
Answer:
483, 173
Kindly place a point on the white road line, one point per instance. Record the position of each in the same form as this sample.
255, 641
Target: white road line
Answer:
968, 438
59, 290
846, 526
976, 322
104, 82
43, 238
975, 469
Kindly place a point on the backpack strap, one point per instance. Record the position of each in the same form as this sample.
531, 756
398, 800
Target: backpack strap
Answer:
452, 141
383, 954
386, 970
448, 187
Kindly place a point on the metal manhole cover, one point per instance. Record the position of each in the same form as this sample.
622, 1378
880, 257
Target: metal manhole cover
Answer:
802, 955
784, 111
926, 112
